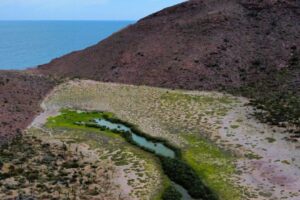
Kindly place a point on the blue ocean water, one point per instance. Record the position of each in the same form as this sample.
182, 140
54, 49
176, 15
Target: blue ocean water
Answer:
26, 44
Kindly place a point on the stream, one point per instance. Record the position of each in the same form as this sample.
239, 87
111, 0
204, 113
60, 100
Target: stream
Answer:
158, 147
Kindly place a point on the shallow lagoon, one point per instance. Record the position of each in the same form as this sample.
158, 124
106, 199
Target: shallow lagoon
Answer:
158, 147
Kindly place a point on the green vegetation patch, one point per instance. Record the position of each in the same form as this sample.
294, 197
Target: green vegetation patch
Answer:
80, 127
252, 156
213, 165
270, 140
181, 173
71, 118
186, 104
279, 107
277, 97
197, 98
176, 169
166, 184
234, 126
171, 194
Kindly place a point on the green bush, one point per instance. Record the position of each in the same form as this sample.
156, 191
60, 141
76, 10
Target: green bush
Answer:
71, 164
181, 173
32, 175
1, 164
280, 107
171, 194
5, 175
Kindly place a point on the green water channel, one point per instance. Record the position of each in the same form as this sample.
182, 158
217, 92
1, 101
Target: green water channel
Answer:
157, 147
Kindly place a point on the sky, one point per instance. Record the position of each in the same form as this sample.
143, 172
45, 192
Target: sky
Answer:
80, 9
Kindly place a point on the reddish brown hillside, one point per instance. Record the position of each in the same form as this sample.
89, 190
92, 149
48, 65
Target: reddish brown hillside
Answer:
195, 45
20, 97
249, 46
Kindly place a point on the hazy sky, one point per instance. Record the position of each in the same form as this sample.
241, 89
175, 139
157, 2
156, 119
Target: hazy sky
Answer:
80, 9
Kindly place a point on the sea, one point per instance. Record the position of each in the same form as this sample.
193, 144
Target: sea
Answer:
26, 44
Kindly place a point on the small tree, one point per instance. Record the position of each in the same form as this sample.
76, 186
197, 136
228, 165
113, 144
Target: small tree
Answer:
171, 194
1, 164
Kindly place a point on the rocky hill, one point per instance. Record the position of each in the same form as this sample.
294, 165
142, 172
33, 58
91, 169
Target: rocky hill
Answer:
21, 95
194, 45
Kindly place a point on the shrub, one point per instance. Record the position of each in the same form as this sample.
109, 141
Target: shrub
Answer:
32, 176
5, 175
181, 173
280, 107
71, 164
1, 164
93, 125
171, 194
